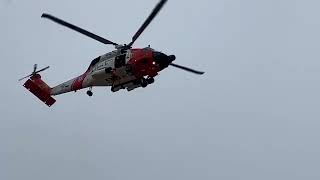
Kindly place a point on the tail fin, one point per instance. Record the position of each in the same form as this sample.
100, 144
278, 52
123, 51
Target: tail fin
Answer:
40, 89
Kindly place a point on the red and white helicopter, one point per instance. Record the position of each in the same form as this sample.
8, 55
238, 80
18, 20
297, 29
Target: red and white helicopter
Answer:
124, 68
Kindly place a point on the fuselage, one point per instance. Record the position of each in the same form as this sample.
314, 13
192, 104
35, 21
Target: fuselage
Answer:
120, 69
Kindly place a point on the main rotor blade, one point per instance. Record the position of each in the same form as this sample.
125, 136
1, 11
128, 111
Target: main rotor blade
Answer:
187, 69
148, 21
78, 29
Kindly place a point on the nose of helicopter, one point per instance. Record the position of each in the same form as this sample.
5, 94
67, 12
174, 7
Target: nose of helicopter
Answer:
162, 59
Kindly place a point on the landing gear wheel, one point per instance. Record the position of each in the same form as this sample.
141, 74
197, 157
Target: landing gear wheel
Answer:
89, 93
113, 89
144, 83
150, 80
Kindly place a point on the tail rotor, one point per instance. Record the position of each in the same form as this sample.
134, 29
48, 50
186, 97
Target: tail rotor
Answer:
35, 66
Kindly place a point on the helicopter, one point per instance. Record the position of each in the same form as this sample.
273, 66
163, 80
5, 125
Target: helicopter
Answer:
124, 68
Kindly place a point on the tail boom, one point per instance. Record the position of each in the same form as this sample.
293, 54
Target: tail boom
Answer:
74, 84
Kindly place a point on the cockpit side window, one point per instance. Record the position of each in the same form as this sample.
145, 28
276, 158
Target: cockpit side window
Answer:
144, 61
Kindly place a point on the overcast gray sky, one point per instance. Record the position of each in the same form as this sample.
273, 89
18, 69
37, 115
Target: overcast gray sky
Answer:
253, 115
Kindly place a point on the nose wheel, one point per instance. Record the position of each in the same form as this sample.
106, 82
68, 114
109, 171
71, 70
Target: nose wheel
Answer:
150, 80
89, 92
145, 82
